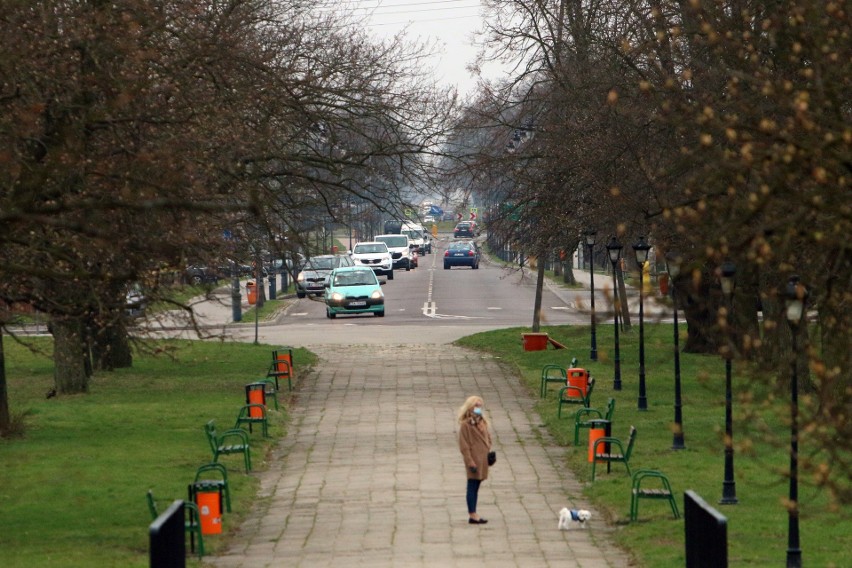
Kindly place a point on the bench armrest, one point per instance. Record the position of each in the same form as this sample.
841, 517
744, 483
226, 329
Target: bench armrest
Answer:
234, 433
576, 392
583, 412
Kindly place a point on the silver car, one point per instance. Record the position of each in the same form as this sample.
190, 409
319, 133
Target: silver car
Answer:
315, 273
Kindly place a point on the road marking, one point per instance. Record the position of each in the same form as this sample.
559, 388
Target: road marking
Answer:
494, 308
300, 314
429, 309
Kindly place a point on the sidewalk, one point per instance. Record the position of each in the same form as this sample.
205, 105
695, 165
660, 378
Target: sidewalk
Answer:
370, 473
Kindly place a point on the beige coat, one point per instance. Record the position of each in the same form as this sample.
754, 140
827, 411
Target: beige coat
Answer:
474, 444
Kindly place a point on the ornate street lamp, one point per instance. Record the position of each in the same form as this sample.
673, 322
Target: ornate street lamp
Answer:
641, 248
729, 486
614, 247
795, 297
673, 261
590, 242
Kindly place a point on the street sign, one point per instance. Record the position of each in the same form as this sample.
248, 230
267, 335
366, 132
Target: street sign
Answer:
472, 216
459, 217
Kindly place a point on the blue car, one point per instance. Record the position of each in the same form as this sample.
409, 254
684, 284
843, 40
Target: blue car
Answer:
354, 290
461, 253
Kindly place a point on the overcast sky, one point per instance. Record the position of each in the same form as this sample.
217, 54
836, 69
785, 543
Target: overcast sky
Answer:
450, 22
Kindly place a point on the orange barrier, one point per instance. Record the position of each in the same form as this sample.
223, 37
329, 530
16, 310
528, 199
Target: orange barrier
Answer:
535, 341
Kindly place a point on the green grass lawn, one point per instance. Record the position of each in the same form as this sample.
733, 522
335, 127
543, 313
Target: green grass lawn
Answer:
757, 525
73, 487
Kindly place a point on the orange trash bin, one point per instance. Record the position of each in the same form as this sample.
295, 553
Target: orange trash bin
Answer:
594, 434
256, 394
251, 292
578, 378
209, 511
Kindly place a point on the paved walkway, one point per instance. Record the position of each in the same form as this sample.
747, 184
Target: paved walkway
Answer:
370, 473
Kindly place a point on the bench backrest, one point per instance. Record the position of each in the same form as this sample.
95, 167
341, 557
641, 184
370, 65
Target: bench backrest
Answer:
212, 437
206, 471
610, 409
630, 441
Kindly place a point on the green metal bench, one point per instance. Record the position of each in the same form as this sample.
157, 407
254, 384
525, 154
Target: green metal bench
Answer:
204, 482
253, 414
571, 394
622, 456
551, 374
592, 418
234, 441
282, 368
660, 493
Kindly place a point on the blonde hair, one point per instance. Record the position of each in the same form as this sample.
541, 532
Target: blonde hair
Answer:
466, 409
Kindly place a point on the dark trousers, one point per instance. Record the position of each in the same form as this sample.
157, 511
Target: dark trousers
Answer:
472, 494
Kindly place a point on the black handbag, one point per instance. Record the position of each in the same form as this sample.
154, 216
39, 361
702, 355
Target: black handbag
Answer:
492, 458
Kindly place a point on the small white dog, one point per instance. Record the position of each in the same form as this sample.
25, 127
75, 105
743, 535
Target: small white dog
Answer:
566, 516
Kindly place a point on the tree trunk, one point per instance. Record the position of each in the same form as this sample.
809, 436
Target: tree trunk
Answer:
568, 273
5, 417
700, 318
110, 345
70, 356
539, 284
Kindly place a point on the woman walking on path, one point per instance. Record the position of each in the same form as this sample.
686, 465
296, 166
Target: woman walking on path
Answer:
474, 444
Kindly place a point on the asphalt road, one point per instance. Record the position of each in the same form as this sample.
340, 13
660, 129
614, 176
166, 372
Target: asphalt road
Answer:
430, 304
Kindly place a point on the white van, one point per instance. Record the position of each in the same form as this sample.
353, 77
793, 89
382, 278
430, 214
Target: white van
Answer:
419, 237
398, 245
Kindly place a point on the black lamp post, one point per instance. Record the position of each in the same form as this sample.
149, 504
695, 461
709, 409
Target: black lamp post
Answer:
673, 261
641, 248
729, 486
590, 242
614, 247
796, 296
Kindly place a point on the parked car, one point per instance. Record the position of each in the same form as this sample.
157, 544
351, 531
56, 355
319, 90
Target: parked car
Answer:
461, 253
464, 229
374, 254
135, 302
315, 273
399, 247
354, 290
201, 275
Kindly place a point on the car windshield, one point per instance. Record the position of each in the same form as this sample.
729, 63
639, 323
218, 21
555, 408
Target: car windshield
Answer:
321, 263
395, 241
414, 234
460, 246
361, 249
355, 278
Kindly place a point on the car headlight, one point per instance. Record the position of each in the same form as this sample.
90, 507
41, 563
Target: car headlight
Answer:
337, 297
300, 277
377, 295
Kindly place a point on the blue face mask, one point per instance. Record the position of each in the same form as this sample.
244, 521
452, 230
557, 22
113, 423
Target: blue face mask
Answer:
477, 410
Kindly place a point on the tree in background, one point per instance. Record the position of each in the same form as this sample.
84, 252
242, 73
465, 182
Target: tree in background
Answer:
134, 134
722, 132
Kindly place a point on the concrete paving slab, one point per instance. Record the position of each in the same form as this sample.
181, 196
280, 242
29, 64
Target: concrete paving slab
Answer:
370, 473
